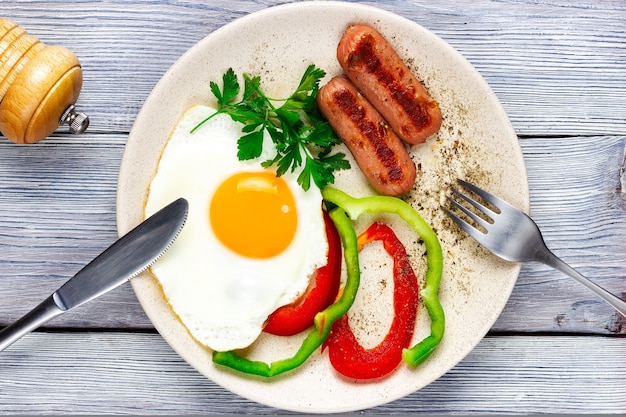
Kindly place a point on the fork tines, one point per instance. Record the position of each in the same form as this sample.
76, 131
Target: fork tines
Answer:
487, 215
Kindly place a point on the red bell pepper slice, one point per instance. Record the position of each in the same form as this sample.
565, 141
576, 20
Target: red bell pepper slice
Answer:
346, 354
321, 292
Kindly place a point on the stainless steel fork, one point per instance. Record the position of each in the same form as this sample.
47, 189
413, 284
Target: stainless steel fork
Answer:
514, 236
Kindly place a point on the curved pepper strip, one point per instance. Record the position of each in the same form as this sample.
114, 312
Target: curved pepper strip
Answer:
346, 354
322, 291
323, 320
354, 207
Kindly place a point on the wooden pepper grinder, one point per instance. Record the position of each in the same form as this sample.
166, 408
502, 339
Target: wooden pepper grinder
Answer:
39, 86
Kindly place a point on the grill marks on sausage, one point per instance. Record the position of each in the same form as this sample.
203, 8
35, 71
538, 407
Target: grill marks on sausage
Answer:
373, 132
377, 70
365, 55
379, 152
377, 107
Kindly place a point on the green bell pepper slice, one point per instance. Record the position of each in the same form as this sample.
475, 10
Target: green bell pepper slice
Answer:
323, 320
349, 208
354, 207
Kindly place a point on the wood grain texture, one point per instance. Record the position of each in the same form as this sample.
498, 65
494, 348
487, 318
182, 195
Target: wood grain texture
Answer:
58, 374
558, 68
576, 201
126, 46
57, 212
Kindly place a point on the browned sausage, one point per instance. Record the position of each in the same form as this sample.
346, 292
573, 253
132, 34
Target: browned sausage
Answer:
378, 151
375, 68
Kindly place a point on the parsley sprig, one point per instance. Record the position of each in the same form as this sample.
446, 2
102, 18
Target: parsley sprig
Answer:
301, 136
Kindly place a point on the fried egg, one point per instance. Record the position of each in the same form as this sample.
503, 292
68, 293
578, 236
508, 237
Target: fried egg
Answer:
251, 240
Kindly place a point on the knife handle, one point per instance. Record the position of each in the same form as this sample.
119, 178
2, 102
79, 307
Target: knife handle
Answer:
33, 319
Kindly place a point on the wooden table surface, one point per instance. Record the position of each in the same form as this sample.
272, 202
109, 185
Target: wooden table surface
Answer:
557, 66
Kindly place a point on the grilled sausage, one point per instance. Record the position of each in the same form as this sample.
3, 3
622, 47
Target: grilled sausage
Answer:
380, 154
372, 64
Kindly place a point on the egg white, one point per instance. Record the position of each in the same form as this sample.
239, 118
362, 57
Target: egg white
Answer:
221, 297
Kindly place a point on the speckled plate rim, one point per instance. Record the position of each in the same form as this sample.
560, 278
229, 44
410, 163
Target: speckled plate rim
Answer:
315, 388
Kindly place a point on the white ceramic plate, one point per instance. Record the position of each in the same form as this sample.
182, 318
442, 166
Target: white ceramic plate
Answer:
476, 142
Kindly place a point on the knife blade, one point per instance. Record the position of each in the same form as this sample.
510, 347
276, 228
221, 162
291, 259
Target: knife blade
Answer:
127, 257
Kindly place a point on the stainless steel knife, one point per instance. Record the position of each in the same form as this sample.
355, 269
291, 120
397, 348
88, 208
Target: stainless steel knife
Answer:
130, 255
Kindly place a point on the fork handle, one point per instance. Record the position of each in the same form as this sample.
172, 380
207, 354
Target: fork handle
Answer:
550, 259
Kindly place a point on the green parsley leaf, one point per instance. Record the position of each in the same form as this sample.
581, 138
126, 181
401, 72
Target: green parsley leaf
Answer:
301, 136
250, 146
230, 90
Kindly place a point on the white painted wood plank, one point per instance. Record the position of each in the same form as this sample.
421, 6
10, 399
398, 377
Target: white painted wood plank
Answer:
73, 179
556, 66
57, 212
576, 201
118, 373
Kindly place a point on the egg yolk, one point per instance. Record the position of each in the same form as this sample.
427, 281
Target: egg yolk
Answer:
254, 214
